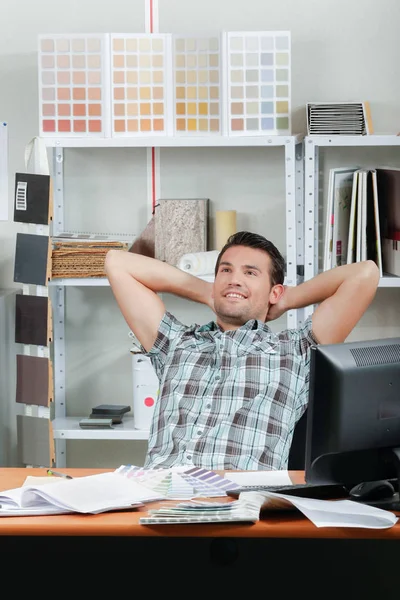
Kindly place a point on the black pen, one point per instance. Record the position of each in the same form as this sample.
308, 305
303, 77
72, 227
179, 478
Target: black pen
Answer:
58, 474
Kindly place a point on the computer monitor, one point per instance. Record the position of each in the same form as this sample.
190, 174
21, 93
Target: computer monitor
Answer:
353, 415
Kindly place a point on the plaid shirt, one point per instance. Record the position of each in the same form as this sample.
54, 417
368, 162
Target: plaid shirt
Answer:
228, 400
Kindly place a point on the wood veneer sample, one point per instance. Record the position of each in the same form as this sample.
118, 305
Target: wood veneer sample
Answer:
33, 198
33, 320
34, 380
32, 262
35, 441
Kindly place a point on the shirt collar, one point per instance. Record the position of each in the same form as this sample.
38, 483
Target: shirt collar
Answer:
252, 324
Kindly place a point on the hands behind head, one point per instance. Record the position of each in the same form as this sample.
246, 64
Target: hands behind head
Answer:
209, 300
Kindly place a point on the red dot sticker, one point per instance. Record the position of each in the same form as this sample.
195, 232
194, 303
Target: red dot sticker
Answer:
148, 401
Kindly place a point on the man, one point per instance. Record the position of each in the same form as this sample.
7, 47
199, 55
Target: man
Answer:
231, 391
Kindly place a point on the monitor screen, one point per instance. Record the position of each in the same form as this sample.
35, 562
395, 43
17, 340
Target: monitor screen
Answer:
353, 415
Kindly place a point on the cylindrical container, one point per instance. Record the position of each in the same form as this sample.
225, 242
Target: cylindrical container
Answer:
225, 225
145, 390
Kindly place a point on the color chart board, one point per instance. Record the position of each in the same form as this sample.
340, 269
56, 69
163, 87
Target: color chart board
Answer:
197, 85
73, 85
258, 82
141, 84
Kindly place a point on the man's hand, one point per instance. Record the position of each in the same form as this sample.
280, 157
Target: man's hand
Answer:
279, 308
210, 298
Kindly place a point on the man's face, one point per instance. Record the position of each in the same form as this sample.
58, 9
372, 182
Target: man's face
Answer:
242, 286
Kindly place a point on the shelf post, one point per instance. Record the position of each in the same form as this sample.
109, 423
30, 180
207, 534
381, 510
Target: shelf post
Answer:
310, 214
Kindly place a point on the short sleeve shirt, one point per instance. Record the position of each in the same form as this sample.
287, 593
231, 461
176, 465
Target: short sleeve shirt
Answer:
228, 399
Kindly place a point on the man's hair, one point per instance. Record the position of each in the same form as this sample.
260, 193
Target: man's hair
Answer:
254, 240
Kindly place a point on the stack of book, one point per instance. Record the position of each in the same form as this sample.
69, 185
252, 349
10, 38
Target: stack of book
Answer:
105, 416
363, 219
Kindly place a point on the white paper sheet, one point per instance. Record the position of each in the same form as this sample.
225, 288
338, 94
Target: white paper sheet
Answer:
260, 477
338, 513
91, 494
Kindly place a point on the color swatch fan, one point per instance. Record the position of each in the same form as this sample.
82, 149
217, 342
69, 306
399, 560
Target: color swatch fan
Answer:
73, 85
258, 82
140, 80
197, 85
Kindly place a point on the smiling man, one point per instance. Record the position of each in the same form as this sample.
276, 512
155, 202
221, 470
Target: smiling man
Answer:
231, 391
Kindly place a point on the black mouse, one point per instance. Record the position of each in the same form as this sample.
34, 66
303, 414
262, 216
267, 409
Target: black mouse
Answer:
372, 490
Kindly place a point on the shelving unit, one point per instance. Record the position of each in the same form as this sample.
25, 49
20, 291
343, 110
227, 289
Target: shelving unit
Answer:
312, 145
67, 428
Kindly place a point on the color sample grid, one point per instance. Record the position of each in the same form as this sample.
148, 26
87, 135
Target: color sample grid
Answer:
258, 82
73, 73
140, 68
197, 85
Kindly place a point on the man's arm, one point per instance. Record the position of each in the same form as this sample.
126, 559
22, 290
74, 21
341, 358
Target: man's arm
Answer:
135, 281
343, 294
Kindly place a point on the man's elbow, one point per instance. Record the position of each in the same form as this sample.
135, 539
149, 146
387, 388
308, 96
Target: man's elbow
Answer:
369, 271
112, 261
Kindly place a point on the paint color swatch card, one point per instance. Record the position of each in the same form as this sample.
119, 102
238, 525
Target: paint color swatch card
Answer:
141, 85
180, 483
35, 441
74, 85
32, 263
33, 198
258, 82
34, 380
197, 85
33, 320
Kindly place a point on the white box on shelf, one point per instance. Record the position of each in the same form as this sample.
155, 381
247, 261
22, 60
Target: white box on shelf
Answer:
391, 256
145, 390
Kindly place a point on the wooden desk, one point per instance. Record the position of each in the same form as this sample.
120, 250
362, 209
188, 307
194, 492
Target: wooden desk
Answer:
126, 523
280, 551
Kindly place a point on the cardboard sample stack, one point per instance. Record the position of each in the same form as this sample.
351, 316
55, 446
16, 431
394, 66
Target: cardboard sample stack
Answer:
81, 259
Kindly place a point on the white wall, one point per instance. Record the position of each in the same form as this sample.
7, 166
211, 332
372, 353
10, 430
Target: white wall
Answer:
341, 50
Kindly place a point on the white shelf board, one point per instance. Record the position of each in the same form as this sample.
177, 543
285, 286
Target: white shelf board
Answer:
171, 141
103, 281
67, 428
98, 281
354, 140
79, 281
389, 281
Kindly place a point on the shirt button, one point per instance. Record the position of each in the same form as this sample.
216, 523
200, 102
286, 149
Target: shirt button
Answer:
208, 406
217, 377
189, 457
199, 432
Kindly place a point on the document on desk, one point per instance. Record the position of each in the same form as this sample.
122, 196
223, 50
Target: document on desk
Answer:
92, 494
332, 513
259, 477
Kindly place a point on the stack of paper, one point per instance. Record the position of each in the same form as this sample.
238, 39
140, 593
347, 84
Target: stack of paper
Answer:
92, 494
247, 509
339, 118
